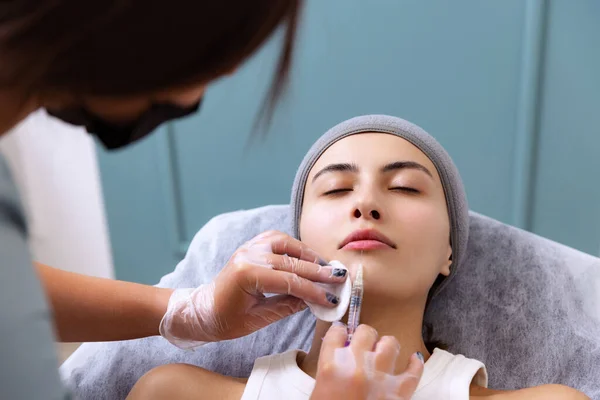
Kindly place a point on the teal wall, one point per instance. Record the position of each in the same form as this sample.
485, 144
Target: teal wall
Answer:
511, 88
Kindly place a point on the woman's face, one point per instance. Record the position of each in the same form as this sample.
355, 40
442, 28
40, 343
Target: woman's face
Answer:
376, 199
124, 110
127, 109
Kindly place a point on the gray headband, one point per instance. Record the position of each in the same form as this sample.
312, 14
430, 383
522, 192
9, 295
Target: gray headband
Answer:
456, 198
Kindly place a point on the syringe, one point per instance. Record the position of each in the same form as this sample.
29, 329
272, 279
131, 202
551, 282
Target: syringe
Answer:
355, 302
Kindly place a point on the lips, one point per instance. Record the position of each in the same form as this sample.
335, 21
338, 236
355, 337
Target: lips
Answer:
366, 239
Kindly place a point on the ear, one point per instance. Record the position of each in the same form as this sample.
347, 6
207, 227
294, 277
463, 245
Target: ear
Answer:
445, 269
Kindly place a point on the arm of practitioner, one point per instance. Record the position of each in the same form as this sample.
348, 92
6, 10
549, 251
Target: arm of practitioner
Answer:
233, 305
95, 309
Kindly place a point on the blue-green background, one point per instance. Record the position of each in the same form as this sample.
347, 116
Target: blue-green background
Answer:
511, 88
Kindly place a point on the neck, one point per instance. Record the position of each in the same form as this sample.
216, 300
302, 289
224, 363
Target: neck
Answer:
404, 323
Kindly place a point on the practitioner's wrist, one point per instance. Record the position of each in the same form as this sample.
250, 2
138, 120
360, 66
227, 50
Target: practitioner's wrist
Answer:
159, 307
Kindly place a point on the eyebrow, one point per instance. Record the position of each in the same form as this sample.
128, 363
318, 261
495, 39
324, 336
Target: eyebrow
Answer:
343, 167
348, 167
406, 165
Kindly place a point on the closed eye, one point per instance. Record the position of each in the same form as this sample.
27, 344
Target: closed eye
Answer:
336, 191
404, 189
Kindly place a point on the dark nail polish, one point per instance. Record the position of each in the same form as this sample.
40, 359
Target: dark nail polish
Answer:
322, 262
338, 272
420, 355
347, 344
332, 298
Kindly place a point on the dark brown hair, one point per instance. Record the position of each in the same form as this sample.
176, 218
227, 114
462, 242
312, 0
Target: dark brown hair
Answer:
430, 341
130, 47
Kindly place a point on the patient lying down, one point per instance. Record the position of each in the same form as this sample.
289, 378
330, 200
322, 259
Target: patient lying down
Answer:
382, 186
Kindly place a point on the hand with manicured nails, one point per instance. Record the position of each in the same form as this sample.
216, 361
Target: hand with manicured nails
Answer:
363, 370
234, 304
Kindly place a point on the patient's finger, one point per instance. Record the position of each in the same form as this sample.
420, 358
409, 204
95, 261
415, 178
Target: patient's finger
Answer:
265, 280
308, 270
386, 353
334, 339
363, 340
405, 384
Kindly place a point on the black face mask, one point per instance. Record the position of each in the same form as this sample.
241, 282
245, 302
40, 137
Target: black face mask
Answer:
114, 136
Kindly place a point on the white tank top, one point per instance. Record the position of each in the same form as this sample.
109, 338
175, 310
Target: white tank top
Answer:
445, 376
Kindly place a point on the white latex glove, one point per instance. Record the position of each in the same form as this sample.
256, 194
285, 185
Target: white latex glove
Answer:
356, 372
234, 304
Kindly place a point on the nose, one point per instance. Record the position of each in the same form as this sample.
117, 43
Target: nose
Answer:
374, 214
367, 207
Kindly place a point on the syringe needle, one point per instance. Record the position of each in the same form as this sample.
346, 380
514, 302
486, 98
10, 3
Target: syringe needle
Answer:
355, 302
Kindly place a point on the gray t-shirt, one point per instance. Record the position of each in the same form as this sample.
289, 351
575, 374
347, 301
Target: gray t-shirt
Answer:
28, 359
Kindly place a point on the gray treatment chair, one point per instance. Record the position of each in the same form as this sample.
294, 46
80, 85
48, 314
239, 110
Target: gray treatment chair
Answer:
527, 307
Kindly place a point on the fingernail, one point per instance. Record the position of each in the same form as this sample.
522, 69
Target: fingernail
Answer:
420, 356
347, 343
339, 323
332, 298
322, 262
338, 272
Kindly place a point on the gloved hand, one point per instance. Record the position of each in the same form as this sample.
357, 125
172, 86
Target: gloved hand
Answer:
234, 304
356, 372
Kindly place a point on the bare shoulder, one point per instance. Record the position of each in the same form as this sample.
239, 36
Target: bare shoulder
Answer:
184, 381
543, 392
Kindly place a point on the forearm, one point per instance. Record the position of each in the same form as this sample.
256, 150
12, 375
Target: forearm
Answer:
88, 309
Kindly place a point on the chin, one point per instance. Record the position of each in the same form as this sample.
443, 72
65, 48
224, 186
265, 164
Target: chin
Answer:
374, 270
369, 259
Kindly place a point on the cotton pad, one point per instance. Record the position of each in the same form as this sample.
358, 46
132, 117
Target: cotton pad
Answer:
341, 290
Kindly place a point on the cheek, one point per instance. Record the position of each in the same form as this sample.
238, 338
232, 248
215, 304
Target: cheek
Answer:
428, 227
316, 229
183, 98
118, 111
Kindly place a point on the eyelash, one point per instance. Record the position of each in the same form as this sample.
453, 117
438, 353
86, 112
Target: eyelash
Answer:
405, 189
336, 191
397, 188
